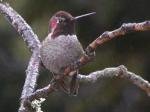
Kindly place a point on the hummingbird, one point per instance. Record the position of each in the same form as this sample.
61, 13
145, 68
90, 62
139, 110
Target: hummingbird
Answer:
61, 48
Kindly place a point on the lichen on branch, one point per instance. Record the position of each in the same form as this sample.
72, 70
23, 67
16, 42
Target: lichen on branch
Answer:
29, 93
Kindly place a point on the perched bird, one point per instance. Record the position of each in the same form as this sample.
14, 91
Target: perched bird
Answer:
61, 48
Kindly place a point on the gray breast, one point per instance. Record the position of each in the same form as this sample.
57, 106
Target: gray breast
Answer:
60, 52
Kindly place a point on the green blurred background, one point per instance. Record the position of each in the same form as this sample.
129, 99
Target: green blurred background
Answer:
106, 95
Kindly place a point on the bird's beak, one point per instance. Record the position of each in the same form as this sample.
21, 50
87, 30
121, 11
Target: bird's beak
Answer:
84, 15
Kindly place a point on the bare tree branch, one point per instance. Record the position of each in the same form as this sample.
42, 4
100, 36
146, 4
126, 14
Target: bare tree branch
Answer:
33, 44
32, 72
106, 36
121, 72
21, 26
42, 93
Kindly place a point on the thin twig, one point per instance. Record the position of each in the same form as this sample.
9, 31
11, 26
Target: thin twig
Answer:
42, 93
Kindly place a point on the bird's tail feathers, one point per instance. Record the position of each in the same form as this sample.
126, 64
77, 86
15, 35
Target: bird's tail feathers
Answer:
68, 86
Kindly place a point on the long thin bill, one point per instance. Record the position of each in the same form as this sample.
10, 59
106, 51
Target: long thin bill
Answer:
84, 15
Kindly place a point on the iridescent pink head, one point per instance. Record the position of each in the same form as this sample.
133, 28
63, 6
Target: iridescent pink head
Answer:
63, 23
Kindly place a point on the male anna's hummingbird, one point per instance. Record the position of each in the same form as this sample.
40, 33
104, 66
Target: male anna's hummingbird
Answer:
61, 48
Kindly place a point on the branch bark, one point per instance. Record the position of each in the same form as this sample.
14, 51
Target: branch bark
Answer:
120, 71
33, 43
106, 36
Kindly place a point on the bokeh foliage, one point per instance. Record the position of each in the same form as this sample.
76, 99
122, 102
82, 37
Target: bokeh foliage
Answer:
106, 95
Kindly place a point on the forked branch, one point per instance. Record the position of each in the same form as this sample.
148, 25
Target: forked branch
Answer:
120, 71
33, 43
